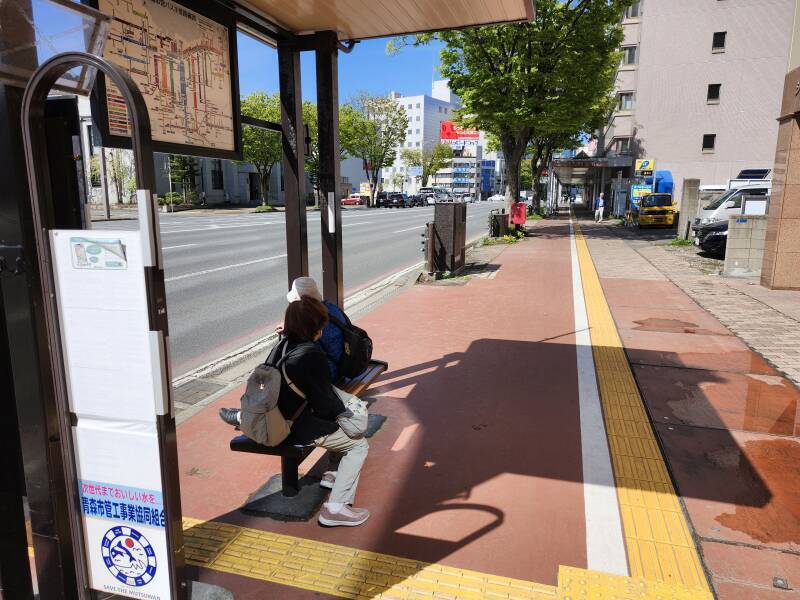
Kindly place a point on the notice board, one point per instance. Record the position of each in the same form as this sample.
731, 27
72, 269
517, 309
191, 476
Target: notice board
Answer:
116, 378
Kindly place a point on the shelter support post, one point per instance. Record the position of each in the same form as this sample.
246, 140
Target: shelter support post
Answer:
329, 166
30, 375
293, 160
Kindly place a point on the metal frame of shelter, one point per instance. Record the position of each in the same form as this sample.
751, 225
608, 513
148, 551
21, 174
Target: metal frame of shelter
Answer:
36, 371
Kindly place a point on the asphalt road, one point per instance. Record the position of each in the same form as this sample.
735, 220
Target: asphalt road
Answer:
226, 274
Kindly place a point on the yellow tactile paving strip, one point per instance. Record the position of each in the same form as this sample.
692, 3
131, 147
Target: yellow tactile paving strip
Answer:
657, 538
341, 571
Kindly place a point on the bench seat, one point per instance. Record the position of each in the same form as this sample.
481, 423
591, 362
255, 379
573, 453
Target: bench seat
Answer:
291, 454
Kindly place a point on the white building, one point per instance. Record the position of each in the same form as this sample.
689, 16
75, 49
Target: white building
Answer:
699, 87
425, 114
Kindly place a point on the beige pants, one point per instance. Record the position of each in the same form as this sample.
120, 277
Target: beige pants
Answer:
354, 453
598, 214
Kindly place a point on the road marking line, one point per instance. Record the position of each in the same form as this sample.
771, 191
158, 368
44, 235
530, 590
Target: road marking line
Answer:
420, 226
340, 571
216, 227
354, 224
658, 539
226, 267
178, 246
605, 547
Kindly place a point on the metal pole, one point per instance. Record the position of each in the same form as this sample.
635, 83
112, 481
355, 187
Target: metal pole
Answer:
103, 175
329, 166
293, 164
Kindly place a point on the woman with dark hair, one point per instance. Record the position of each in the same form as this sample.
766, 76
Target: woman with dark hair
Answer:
307, 369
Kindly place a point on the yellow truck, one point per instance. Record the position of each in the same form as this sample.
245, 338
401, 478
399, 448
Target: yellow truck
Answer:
657, 209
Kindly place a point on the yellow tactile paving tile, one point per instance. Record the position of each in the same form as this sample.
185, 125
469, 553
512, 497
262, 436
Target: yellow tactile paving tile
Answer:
574, 584
341, 571
657, 537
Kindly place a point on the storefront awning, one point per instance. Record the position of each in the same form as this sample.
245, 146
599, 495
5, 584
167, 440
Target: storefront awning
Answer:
360, 19
573, 171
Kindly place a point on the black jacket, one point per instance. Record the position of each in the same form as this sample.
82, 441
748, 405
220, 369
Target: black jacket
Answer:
307, 367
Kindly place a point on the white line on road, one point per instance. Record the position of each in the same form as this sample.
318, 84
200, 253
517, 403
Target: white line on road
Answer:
178, 246
354, 224
419, 226
226, 267
605, 549
216, 227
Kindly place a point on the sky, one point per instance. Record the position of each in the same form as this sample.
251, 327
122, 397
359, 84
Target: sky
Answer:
368, 68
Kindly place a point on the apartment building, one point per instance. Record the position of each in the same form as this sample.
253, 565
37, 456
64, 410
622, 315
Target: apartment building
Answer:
699, 86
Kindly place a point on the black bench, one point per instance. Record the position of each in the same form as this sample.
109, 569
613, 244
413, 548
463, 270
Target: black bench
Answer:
292, 455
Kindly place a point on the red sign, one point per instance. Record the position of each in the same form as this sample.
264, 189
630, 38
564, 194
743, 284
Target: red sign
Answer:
450, 131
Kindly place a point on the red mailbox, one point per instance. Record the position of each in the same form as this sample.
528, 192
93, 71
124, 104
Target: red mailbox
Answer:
519, 213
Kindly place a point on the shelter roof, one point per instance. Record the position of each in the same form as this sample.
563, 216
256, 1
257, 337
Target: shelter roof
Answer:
360, 19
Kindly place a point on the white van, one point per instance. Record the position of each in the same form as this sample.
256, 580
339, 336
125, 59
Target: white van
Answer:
748, 199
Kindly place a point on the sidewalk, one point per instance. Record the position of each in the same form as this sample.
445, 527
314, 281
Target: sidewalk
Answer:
506, 468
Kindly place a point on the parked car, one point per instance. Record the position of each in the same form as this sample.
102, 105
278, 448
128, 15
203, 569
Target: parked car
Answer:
657, 209
353, 200
382, 199
467, 198
416, 200
398, 201
733, 202
497, 198
713, 238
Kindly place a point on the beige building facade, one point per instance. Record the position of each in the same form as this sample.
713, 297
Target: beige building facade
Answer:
781, 266
699, 86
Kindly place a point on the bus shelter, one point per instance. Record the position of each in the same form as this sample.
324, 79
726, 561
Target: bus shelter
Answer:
39, 460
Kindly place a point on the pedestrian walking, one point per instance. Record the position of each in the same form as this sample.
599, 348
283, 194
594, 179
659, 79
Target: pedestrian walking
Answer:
599, 207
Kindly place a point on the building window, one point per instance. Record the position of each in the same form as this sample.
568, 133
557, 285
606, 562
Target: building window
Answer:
718, 44
445, 111
629, 55
417, 144
625, 101
622, 145
417, 104
712, 97
709, 142
440, 109
417, 118
633, 11
217, 182
417, 131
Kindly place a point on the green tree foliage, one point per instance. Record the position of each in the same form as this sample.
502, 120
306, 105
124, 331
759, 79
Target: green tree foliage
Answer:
397, 180
260, 147
312, 158
431, 158
182, 171
371, 128
119, 169
523, 81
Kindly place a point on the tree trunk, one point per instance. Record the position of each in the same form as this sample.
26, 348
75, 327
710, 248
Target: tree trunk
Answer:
513, 149
264, 181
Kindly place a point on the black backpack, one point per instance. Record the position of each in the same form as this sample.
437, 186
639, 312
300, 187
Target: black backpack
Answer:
357, 350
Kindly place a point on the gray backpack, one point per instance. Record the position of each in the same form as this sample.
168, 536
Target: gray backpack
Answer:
261, 419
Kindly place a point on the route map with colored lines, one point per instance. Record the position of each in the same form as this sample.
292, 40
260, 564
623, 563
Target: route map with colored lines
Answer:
181, 62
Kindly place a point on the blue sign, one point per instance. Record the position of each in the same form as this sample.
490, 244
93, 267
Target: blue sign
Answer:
122, 503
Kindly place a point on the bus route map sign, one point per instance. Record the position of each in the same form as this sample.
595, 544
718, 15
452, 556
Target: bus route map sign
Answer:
181, 62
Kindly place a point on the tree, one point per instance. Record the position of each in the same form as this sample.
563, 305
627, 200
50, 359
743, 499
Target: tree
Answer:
371, 128
262, 148
119, 167
312, 158
529, 80
182, 170
431, 159
397, 180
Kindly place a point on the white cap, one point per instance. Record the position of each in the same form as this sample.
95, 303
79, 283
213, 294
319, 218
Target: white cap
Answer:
303, 286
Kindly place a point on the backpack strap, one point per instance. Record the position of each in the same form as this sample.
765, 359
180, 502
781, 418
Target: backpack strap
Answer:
282, 364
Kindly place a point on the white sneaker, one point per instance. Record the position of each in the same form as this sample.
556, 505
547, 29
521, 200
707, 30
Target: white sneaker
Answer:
347, 517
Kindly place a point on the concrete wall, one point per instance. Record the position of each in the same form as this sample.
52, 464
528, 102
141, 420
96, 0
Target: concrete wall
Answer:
671, 80
744, 253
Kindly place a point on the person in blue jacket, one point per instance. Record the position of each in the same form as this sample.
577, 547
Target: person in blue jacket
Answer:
332, 340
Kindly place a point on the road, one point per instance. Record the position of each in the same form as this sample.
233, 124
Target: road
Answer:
226, 274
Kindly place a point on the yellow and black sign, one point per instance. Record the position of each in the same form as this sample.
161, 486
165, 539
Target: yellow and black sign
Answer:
645, 167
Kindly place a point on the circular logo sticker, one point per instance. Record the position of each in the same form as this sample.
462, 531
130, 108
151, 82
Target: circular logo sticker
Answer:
129, 556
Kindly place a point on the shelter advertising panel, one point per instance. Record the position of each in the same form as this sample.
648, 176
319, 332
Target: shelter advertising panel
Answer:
116, 386
184, 65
